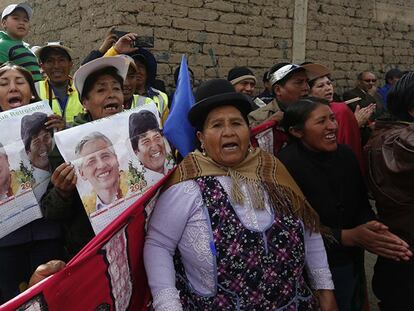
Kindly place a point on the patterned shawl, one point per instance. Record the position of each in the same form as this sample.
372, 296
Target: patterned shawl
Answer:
259, 171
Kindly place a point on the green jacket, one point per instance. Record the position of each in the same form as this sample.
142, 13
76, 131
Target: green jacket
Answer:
17, 52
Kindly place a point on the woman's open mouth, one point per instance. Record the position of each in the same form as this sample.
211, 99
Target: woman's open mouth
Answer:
230, 146
111, 108
15, 101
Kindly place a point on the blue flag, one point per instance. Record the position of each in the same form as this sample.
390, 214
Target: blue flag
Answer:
178, 129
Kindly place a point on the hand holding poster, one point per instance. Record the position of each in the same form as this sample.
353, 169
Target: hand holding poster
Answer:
24, 165
107, 274
116, 159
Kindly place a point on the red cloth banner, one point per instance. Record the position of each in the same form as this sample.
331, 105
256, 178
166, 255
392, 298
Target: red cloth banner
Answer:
107, 274
268, 136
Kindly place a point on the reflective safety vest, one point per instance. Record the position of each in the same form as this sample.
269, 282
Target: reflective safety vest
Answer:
139, 100
73, 105
159, 101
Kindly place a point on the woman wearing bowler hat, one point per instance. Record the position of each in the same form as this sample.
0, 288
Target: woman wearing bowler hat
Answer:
232, 231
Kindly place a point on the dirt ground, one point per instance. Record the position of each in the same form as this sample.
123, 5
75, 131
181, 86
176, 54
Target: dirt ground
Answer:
370, 260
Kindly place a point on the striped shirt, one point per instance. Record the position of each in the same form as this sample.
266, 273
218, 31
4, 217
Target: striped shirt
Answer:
17, 52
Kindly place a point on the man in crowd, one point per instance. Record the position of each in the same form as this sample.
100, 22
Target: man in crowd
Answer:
15, 20
148, 144
38, 144
391, 77
244, 81
100, 167
131, 82
366, 90
146, 72
289, 84
58, 89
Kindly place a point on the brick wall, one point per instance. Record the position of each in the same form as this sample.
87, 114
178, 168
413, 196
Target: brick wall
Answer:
351, 36
347, 35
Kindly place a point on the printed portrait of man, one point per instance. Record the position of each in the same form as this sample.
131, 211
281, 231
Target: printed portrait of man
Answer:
100, 167
148, 143
8, 183
38, 143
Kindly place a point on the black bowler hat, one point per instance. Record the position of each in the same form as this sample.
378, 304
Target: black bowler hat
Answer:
216, 93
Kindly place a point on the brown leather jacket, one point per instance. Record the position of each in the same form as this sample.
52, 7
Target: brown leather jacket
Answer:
390, 164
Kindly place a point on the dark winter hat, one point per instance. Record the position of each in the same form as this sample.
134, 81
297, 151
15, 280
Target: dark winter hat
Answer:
146, 58
238, 74
140, 123
215, 93
31, 125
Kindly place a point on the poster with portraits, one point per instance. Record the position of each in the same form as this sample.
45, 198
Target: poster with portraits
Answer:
25, 144
116, 160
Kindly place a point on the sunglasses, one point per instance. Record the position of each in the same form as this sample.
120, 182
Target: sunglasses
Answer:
370, 80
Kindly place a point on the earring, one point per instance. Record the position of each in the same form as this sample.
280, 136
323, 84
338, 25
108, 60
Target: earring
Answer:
250, 149
203, 151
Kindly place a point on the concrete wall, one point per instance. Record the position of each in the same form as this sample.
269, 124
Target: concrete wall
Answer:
347, 35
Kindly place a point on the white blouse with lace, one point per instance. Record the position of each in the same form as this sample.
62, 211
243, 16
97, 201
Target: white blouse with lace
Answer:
179, 220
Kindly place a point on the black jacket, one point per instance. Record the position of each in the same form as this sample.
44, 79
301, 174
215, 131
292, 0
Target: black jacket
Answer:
333, 185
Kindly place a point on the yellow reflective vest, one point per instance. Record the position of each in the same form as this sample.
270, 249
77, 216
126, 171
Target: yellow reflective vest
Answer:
160, 100
140, 100
73, 105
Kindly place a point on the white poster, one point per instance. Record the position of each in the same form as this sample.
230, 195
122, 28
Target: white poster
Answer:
25, 144
116, 160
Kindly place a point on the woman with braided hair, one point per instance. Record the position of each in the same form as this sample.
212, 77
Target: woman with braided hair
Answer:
232, 231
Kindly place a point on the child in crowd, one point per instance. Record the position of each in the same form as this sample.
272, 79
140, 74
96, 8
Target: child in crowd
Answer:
15, 20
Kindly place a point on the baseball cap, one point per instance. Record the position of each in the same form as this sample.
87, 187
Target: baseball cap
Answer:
12, 7
283, 71
42, 52
312, 70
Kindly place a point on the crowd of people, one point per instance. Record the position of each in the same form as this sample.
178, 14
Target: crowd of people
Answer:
271, 211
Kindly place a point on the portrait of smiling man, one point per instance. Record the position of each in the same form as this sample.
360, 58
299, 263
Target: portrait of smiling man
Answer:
100, 167
38, 143
148, 144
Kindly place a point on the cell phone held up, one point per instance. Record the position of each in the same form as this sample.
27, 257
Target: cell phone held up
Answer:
139, 42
